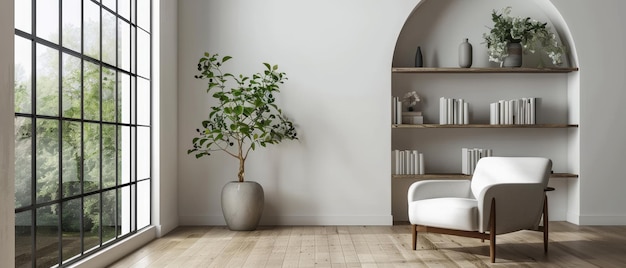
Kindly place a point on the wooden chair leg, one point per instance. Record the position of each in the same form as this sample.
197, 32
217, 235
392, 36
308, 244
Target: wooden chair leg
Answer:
545, 224
492, 231
414, 234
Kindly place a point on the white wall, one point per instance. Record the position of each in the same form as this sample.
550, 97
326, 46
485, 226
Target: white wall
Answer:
597, 28
7, 141
337, 56
165, 167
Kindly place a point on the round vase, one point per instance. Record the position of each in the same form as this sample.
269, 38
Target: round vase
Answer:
242, 205
514, 59
465, 54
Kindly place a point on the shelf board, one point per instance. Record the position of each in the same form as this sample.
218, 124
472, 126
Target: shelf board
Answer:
421, 126
482, 70
458, 176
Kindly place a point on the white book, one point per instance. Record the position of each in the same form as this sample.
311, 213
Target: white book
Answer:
421, 164
399, 112
533, 101
465, 113
464, 166
450, 112
443, 117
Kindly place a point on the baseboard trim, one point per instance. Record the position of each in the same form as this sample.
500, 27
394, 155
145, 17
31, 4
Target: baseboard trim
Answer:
602, 220
294, 220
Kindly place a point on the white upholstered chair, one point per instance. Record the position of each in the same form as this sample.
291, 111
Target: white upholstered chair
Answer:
505, 194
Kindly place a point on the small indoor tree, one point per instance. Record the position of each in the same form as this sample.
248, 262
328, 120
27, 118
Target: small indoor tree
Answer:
246, 115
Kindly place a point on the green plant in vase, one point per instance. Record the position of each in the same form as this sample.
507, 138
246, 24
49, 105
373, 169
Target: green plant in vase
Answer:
531, 34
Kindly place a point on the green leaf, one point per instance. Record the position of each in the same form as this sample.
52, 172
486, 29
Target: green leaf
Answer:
267, 65
226, 58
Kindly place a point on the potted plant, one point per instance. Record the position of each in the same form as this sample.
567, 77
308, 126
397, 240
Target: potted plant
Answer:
244, 118
510, 35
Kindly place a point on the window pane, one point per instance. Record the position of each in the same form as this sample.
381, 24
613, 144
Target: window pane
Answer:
47, 81
47, 160
71, 158
143, 54
143, 204
109, 215
23, 15
108, 95
110, 4
123, 8
143, 153
133, 9
133, 207
47, 234
91, 222
91, 160
123, 98
91, 91
123, 211
23, 239
71, 228
48, 20
109, 45
109, 154
143, 14
143, 102
124, 161
72, 24
123, 45
133, 46
23, 75
71, 102
23, 161
91, 22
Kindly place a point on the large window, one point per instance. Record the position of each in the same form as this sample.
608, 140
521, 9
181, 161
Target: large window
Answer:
82, 125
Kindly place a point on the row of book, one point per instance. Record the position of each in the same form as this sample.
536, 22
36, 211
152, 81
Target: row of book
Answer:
513, 112
407, 162
453, 111
470, 157
398, 116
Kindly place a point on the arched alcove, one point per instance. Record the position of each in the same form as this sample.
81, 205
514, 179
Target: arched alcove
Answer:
438, 27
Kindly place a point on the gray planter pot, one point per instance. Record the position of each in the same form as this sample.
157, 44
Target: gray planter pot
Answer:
242, 205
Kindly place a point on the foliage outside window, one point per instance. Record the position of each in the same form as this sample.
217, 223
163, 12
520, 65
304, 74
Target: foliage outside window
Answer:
82, 167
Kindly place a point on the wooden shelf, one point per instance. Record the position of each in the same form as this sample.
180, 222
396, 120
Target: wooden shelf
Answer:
482, 70
458, 176
422, 126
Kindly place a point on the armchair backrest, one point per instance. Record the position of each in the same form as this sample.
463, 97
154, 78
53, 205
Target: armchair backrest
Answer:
496, 170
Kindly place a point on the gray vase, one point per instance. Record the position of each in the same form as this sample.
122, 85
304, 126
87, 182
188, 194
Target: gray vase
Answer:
242, 205
465, 54
514, 59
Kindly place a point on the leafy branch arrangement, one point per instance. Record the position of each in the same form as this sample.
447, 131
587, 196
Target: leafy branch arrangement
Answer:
530, 33
246, 115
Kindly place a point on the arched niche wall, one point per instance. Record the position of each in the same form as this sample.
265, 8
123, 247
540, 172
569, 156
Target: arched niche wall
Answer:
438, 27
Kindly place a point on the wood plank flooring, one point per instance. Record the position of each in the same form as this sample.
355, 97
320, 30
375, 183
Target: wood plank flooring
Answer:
378, 246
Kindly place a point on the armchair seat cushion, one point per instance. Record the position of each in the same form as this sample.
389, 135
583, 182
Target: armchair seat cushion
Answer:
450, 213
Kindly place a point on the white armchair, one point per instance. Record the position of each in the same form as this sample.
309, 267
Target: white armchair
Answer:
508, 191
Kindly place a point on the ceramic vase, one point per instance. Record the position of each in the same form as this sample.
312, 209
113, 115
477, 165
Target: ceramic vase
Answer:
514, 59
418, 58
242, 205
465, 54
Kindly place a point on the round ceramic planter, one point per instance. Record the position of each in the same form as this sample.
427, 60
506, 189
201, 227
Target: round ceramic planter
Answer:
242, 205
514, 59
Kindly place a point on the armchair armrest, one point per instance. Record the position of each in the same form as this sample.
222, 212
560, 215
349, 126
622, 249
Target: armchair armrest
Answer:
439, 188
518, 206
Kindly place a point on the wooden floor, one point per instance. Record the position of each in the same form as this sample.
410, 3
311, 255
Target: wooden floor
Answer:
378, 246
